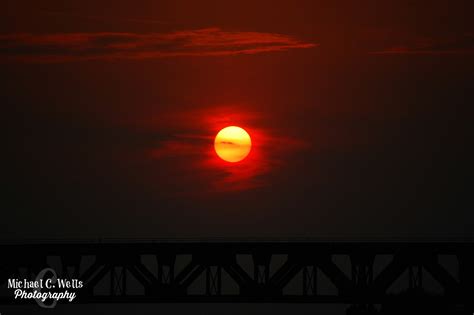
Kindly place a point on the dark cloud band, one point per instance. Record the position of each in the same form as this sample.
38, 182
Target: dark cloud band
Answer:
69, 47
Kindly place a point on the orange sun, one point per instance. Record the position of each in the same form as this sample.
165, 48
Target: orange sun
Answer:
232, 144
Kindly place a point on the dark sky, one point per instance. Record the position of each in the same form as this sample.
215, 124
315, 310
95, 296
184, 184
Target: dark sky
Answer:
359, 115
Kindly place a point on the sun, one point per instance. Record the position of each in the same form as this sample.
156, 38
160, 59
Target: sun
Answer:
232, 144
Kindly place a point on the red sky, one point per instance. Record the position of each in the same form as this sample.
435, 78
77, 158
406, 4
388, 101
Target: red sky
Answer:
358, 112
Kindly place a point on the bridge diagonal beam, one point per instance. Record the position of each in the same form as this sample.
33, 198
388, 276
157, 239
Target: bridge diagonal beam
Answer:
185, 272
91, 271
443, 277
336, 275
388, 275
192, 276
92, 283
284, 277
240, 276
144, 280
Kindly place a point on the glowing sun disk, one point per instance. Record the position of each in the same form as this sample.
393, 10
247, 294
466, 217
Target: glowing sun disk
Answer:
232, 144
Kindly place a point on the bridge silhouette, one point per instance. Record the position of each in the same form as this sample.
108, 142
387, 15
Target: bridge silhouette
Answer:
432, 276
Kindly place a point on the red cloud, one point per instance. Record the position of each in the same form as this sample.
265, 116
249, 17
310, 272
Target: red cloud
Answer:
69, 47
191, 148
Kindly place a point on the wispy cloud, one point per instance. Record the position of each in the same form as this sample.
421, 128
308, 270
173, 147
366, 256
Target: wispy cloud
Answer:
69, 47
191, 148
456, 45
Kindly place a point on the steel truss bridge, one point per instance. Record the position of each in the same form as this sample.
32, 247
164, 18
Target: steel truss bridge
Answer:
361, 274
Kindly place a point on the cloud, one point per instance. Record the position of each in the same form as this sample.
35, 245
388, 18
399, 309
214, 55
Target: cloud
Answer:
456, 45
70, 47
192, 150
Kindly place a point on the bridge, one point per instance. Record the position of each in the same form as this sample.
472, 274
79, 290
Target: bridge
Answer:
436, 275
